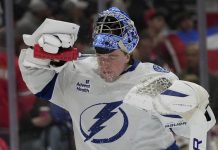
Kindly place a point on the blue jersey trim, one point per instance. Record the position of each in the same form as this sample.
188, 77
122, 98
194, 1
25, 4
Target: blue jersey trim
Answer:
132, 67
172, 116
173, 93
173, 147
47, 91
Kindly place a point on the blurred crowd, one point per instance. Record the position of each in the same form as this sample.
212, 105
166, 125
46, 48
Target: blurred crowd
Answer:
168, 37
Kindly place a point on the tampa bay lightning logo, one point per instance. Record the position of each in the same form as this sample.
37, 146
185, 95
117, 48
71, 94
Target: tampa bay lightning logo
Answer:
160, 69
100, 130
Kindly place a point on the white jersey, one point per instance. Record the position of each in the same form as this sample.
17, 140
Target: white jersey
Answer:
101, 120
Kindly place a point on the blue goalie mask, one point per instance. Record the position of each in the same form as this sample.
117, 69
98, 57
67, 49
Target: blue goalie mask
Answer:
114, 30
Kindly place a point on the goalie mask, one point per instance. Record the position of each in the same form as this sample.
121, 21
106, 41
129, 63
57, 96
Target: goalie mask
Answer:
114, 30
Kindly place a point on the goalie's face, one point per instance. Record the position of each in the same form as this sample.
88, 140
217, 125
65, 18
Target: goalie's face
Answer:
111, 65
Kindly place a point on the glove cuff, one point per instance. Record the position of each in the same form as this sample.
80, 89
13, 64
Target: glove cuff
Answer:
30, 61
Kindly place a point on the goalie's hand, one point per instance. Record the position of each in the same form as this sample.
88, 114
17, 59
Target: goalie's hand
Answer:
53, 40
51, 43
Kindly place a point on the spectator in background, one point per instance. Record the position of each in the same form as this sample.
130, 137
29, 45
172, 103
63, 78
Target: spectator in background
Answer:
63, 121
156, 25
143, 51
136, 10
18, 9
167, 46
75, 11
83, 45
157, 29
187, 30
83, 42
38, 11
18, 14
34, 127
186, 27
46, 127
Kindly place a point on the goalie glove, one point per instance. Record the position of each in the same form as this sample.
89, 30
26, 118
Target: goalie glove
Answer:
54, 40
190, 101
182, 99
51, 43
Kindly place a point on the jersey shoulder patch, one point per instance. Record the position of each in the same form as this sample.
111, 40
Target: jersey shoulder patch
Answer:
160, 69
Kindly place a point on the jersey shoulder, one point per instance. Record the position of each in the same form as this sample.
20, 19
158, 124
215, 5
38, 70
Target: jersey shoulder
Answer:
154, 79
153, 68
150, 70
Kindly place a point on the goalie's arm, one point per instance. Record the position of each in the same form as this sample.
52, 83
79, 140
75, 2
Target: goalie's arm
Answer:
40, 77
43, 77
